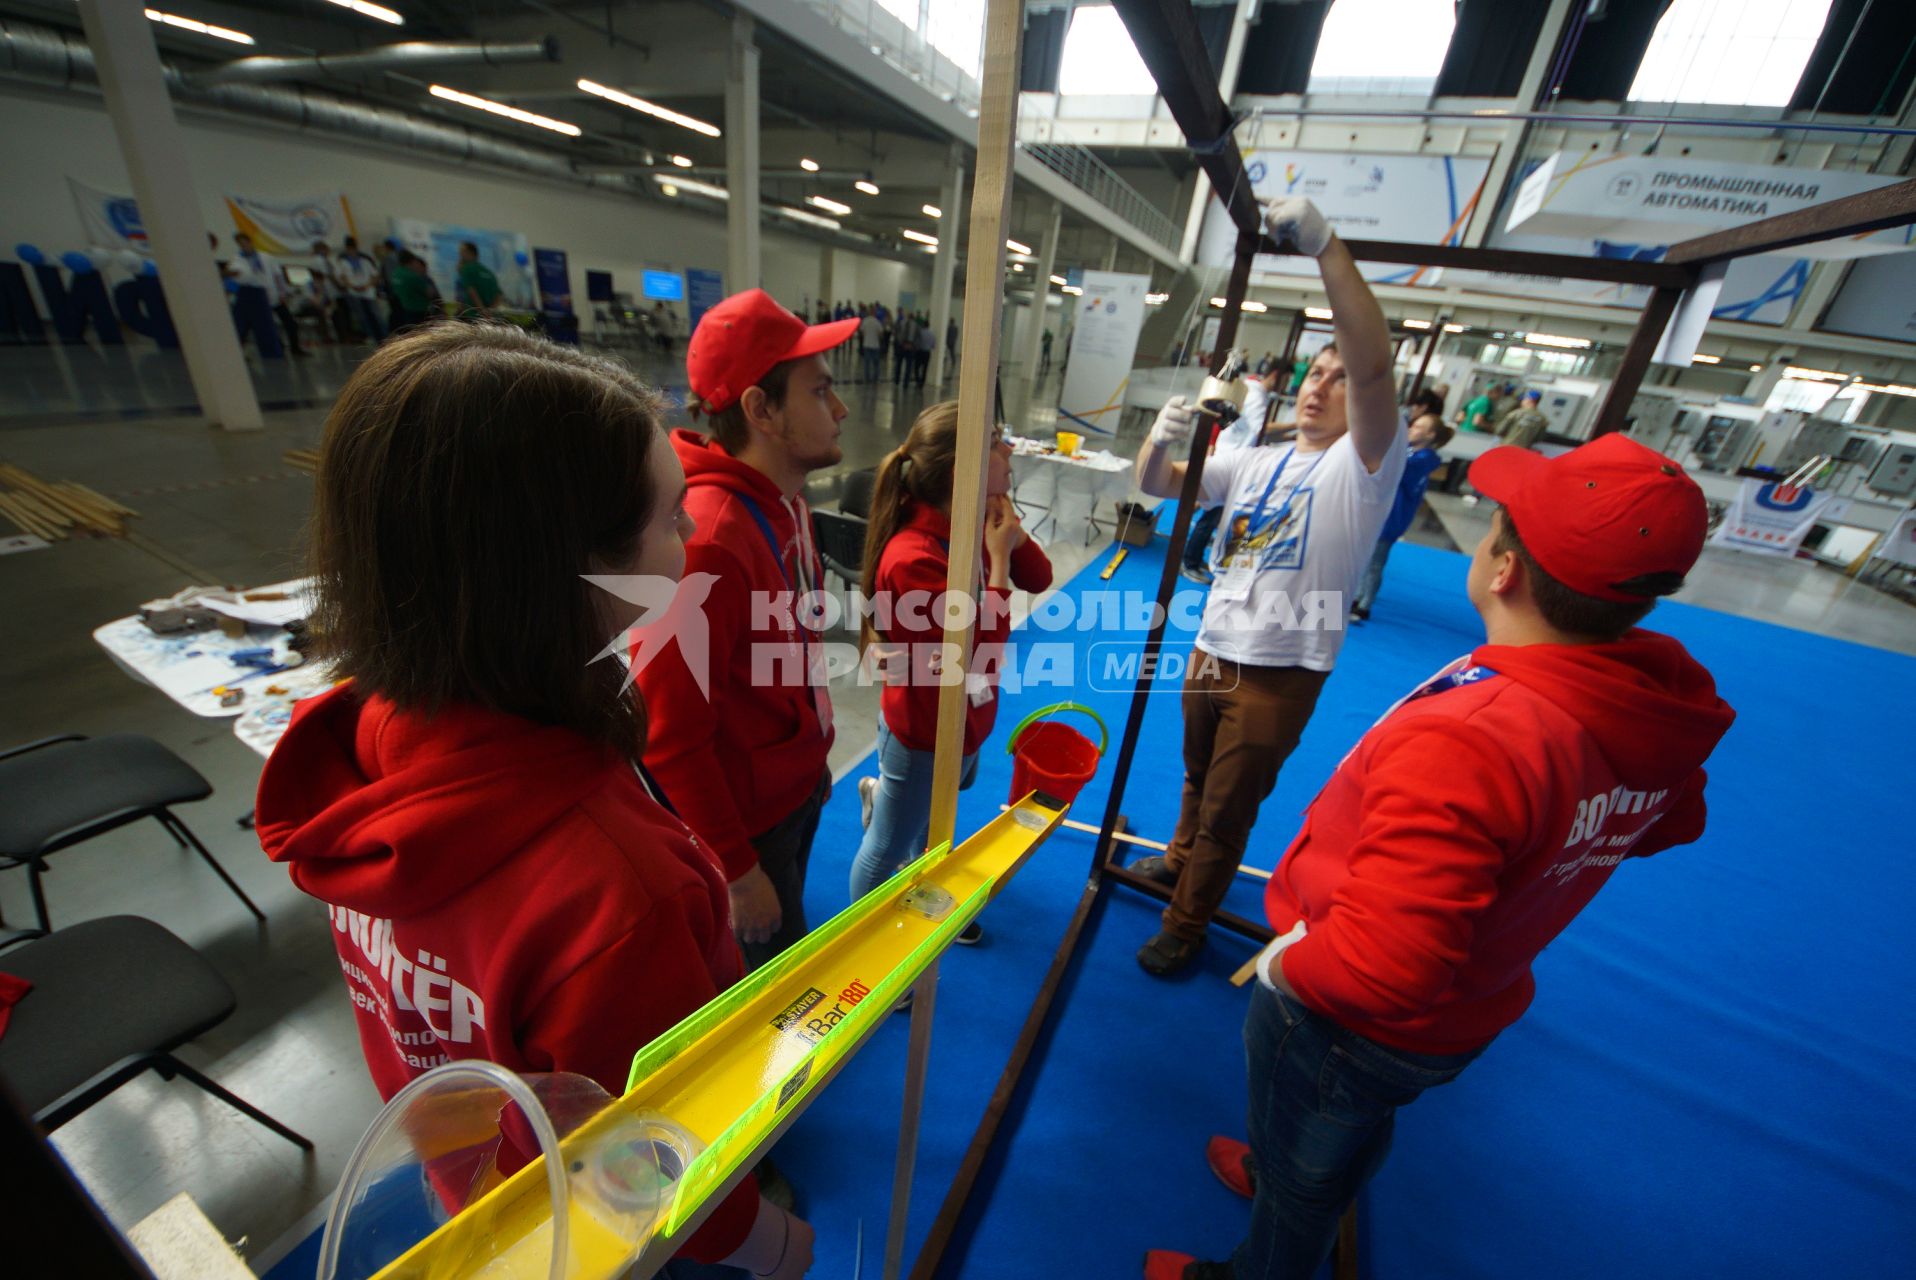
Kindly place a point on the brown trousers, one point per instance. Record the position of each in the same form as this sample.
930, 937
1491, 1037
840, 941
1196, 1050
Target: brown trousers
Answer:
1240, 724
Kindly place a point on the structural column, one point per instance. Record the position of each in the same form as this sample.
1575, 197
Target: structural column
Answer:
1111, 250
944, 263
1041, 295
134, 88
741, 159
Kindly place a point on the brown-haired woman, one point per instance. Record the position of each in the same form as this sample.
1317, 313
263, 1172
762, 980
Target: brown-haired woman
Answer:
502, 878
907, 551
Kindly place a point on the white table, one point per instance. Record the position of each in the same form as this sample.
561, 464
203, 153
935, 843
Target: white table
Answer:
187, 668
1101, 474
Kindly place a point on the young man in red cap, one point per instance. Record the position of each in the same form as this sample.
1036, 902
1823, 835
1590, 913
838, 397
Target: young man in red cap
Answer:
1465, 830
740, 747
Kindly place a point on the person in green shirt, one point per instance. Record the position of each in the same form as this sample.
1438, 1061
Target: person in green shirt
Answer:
1482, 411
478, 287
412, 291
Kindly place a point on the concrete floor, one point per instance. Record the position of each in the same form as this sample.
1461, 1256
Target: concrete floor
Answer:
225, 508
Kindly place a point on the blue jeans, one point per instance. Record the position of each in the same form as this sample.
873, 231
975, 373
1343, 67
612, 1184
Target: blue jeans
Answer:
1197, 542
871, 357
367, 317
901, 811
1323, 1102
1373, 575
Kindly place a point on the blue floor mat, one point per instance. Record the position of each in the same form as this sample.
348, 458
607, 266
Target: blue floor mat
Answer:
1711, 1080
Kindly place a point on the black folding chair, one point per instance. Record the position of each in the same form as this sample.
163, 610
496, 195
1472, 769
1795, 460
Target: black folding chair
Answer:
841, 544
111, 998
62, 791
857, 498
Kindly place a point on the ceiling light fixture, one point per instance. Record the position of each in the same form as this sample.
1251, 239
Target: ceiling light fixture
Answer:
501, 109
677, 183
1700, 358
828, 205
1416, 324
379, 12
1015, 247
1075, 291
198, 28
869, 188
1814, 375
1456, 328
668, 189
1156, 299
1557, 340
1059, 280
920, 237
1887, 388
1316, 313
808, 164
810, 219
683, 162
652, 109
931, 211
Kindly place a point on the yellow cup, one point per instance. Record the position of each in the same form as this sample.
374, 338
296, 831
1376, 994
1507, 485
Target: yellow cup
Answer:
1068, 442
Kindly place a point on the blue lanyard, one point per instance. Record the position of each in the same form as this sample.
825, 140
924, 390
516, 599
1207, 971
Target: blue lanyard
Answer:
1454, 680
785, 571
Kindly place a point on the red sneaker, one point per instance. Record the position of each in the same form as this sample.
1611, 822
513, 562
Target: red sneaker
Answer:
1230, 1160
1162, 1264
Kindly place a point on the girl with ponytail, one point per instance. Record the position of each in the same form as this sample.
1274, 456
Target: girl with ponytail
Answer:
907, 550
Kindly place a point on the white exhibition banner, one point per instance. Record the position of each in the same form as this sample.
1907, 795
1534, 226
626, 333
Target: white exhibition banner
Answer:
288, 228
1412, 199
1759, 290
1104, 346
1628, 201
110, 221
1899, 544
1772, 518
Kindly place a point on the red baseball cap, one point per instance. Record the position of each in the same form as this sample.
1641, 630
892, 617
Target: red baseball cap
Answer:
738, 341
1603, 513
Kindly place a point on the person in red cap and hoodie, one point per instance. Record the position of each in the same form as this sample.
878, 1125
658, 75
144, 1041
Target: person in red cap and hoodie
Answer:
503, 880
740, 732
1465, 830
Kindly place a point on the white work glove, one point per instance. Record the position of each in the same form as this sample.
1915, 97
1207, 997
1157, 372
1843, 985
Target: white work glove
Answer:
1267, 959
1295, 219
1176, 421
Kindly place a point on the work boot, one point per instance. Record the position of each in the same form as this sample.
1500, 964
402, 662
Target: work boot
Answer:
1166, 954
1156, 868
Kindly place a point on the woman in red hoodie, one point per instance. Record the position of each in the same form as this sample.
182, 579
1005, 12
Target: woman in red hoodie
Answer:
907, 555
502, 878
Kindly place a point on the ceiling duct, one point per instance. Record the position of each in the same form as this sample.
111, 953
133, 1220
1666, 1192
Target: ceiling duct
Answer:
410, 55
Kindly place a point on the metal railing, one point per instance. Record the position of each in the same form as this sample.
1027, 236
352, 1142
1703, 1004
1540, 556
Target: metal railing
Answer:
911, 52
1083, 170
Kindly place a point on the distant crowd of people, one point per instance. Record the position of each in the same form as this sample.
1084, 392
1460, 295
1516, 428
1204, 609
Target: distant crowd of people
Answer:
897, 341
356, 297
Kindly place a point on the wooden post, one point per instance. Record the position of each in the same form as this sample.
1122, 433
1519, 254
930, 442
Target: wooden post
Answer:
1174, 553
1636, 359
1430, 349
977, 418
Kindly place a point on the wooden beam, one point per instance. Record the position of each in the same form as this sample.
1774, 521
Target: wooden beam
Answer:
1174, 553
1516, 262
1166, 35
1256, 932
945, 1225
977, 419
1430, 349
1636, 360
1892, 206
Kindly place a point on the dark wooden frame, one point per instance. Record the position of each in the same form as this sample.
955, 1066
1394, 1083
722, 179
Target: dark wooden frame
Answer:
1166, 36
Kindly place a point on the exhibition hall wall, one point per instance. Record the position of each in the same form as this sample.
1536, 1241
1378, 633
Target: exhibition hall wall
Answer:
47, 141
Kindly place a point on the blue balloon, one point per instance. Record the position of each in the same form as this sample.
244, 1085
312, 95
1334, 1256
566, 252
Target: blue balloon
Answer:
521, 258
29, 254
149, 268
78, 263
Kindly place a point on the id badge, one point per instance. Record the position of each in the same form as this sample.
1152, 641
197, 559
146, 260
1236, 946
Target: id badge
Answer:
1233, 585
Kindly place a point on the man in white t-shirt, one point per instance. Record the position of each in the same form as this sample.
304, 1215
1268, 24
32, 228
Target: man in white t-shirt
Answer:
1300, 522
357, 277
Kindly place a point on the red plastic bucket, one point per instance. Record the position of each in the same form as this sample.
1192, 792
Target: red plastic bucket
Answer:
1051, 757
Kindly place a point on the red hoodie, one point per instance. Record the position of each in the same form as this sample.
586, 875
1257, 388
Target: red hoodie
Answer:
739, 763
1471, 824
916, 560
501, 890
